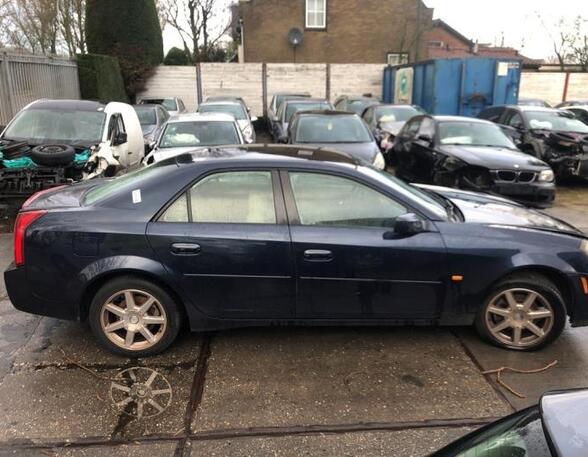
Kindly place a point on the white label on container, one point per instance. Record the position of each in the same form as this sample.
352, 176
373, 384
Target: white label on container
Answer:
502, 68
137, 196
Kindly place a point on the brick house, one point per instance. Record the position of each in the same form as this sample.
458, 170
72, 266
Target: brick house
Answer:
443, 41
334, 31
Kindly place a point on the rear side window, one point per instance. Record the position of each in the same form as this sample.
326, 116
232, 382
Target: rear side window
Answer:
325, 200
491, 114
239, 197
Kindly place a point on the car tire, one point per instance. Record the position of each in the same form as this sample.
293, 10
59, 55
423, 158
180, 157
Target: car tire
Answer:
144, 330
511, 315
51, 155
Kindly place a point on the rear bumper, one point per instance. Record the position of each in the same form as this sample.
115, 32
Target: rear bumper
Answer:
24, 299
536, 194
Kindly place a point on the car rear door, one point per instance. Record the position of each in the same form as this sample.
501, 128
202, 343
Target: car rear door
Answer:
227, 241
345, 266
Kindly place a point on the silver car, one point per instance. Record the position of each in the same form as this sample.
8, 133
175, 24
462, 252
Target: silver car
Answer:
191, 131
238, 111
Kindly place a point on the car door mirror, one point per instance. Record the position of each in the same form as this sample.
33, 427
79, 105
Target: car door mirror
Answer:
120, 138
406, 225
423, 137
151, 145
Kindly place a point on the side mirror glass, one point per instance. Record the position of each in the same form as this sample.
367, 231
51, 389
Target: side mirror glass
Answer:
406, 225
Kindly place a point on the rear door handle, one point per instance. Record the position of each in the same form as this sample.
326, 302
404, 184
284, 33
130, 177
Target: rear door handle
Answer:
318, 255
185, 249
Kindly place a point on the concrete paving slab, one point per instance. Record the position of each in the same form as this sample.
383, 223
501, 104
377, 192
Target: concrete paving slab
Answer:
165, 449
59, 404
16, 329
281, 377
77, 341
570, 350
413, 443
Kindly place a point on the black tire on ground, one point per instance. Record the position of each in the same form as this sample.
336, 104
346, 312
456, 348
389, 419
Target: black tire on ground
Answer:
172, 315
531, 282
50, 155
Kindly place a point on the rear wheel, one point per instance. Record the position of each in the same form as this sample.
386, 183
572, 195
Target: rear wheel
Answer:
134, 318
522, 313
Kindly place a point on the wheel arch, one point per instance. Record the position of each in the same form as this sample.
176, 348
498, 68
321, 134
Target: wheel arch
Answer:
559, 280
94, 286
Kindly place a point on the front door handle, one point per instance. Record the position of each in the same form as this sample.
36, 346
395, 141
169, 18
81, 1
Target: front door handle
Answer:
185, 249
318, 255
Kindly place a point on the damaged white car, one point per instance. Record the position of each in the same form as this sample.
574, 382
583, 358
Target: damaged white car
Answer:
55, 142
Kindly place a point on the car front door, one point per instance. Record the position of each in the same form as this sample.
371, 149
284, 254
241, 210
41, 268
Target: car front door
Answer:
423, 151
227, 240
403, 147
349, 264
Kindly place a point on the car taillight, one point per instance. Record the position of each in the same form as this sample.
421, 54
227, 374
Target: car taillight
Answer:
36, 195
23, 220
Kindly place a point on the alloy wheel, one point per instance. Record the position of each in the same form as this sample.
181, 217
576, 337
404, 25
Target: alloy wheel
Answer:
133, 320
519, 318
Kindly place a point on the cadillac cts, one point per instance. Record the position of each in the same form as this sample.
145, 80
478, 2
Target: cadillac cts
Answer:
286, 235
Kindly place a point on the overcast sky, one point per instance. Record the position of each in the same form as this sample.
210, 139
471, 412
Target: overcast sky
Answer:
488, 20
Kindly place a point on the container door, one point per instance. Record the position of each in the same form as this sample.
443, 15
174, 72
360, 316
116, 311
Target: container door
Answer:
477, 86
508, 78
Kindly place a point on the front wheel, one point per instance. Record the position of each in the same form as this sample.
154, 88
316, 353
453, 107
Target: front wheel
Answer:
523, 313
134, 318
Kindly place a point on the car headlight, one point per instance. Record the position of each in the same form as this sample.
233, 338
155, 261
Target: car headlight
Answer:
546, 176
379, 161
584, 246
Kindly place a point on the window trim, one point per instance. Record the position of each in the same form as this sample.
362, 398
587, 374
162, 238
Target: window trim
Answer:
292, 209
400, 55
315, 27
279, 202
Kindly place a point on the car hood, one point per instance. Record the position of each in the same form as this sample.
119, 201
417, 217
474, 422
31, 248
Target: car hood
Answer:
392, 127
494, 158
487, 209
363, 151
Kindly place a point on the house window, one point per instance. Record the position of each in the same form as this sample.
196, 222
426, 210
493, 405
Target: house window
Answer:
397, 58
316, 14
436, 44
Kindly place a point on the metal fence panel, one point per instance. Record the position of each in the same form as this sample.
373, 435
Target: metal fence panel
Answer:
26, 78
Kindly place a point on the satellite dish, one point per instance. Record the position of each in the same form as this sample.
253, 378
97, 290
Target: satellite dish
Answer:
295, 37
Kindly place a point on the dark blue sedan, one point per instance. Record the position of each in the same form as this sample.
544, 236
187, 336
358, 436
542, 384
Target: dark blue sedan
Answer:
253, 236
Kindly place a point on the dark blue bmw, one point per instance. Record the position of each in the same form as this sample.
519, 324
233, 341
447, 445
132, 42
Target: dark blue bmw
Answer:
254, 236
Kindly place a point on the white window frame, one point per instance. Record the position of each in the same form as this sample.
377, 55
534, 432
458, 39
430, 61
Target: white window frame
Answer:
307, 11
397, 58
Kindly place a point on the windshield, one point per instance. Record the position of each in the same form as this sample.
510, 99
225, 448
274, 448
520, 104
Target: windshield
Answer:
199, 133
332, 129
282, 98
234, 109
146, 116
412, 192
295, 107
396, 113
58, 126
552, 120
358, 106
473, 134
168, 103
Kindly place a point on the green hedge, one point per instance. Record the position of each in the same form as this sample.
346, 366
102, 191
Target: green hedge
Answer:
101, 78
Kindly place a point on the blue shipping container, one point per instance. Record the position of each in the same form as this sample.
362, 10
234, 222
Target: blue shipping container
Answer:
454, 86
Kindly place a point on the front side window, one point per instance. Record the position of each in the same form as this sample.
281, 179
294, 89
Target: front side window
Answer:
325, 200
170, 104
516, 121
395, 113
237, 197
316, 14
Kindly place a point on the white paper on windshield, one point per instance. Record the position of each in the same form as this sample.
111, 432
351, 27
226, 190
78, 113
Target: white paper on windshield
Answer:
136, 196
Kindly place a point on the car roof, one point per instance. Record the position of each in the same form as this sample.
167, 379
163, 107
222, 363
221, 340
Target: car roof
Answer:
325, 112
459, 119
563, 414
221, 103
78, 105
145, 106
305, 100
294, 94
201, 117
266, 152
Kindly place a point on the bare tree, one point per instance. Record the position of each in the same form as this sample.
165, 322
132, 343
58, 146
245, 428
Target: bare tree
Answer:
200, 23
33, 25
563, 37
72, 23
579, 48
